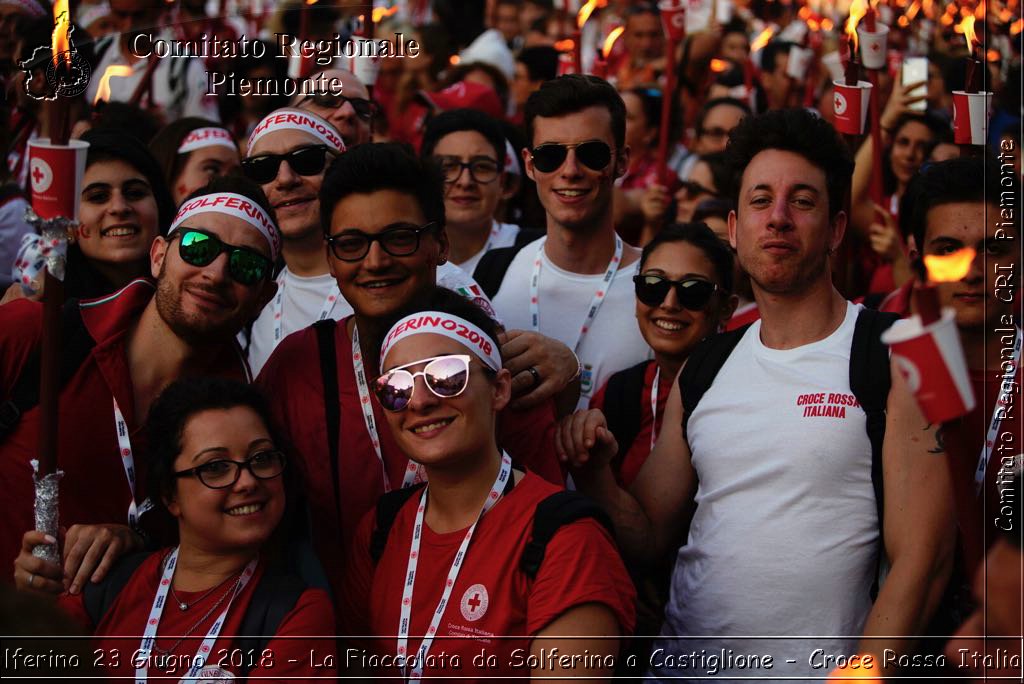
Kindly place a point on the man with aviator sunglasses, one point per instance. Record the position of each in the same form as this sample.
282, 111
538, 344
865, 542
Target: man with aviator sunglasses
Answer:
351, 113
212, 275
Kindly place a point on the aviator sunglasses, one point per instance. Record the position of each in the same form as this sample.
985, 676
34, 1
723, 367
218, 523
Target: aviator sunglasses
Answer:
364, 109
444, 376
305, 161
594, 154
200, 248
692, 293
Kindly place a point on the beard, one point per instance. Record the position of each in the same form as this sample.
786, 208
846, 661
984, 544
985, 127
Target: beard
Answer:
196, 330
790, 277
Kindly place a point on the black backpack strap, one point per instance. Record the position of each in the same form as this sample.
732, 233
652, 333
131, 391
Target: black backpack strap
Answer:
526, 236
702, 366
274, 597
388, 507
97, 597
623, 405
491, 269
870, 382
76, 345
325, 330
551, 514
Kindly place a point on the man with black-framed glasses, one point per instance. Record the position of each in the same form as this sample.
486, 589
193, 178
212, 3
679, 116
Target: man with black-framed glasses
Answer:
351, 112
213, 274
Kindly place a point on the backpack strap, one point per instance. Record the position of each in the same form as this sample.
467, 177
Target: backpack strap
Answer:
325, 330
77, 344
274, 597
702, 366
97, 597
870, 382
552, 514
623, 406
388, 507
491, 269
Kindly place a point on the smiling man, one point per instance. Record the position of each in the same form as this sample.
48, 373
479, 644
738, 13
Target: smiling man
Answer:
213, 273
575, 284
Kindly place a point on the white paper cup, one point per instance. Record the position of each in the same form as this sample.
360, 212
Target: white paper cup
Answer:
834, 63
873, 46
799, 60
850, 106
970, 117
55, 175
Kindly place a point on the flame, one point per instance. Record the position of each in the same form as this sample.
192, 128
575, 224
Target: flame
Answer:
946, 20
804, 13
857, 11
720, 65
586, 10
454, 60
827, 25
61, 29
979, 11
993, 55
813, 24
381, 13
950, 267
912, 11
903, 21
860, 673
609, 42
966, 27
928, 6
103, 90
1016, 27
566, 45
761, 40
311, 2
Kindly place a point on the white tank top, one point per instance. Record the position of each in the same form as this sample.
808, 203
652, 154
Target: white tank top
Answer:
785, 535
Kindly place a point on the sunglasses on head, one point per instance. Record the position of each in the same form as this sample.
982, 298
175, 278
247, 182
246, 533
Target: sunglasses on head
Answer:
398, 239
444, 376
305, 161
199, 248
593, 154
692, 293
364, 109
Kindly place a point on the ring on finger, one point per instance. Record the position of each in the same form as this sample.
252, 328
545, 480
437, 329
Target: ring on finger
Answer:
536, 376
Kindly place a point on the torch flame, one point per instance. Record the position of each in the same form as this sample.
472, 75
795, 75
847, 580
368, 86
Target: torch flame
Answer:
979, 11
1016, 27
588, 9
719, 65
103, 90
381, 13
967, 28
857, 11
609, 42
860, 673
949, 267
912, 11
993, 56
826, 24
761, 40
311, 2
61, 28
566, 45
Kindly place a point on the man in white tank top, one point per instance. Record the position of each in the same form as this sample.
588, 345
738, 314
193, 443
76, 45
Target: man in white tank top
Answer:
785, 533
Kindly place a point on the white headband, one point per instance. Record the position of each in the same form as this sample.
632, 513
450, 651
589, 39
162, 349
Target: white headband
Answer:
235, 205
211, 136
458, 329
299, 120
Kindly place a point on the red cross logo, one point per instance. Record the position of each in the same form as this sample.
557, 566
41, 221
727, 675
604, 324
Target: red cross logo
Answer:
42, 175
474, 602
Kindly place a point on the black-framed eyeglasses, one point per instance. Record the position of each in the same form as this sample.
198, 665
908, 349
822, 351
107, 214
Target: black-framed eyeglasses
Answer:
594, 154
692, 293
199, 247
305, 161
398, 239
223, 473
481, 169
695, 189
364, 109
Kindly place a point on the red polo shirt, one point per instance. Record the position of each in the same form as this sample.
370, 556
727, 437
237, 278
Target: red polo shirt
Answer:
94, 488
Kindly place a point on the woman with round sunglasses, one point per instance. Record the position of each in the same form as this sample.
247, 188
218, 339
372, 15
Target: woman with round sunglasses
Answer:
683, 294
191, 152
449, 566
223, 602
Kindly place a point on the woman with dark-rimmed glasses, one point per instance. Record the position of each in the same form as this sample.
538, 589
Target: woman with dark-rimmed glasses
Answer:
451, 562
222, 602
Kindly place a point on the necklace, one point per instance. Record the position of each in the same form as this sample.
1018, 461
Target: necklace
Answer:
231, 591
183, 606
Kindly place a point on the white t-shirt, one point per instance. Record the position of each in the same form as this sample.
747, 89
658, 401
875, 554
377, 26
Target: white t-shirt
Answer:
303, 300
502, 235
785, 535
612, 343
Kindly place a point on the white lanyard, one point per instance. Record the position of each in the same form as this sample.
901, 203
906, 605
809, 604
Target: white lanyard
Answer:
495, 234
325, 309
654, 405
410, 574
1002, 402
595, 304
412, 471
124, 444
149, 635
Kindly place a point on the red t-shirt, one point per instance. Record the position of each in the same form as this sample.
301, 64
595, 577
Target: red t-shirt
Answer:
627, 468
94, 488
491, 596
294, 384
281, 657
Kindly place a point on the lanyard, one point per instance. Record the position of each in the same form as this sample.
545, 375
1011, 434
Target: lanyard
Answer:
124, 444
495, 234
410, 575
1002, 402
412, 471
654, 405
149, 635
325, 309
595, 304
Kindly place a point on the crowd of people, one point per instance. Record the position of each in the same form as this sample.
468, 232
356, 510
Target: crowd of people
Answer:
454, 370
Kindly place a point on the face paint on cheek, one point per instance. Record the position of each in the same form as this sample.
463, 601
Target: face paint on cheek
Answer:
182, 190
84, 232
